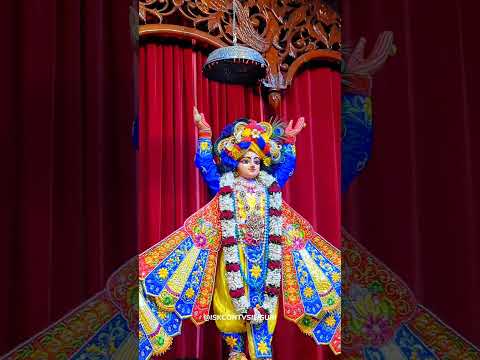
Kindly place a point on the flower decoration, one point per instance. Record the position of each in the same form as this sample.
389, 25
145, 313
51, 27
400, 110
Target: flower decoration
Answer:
189, 293
163, 273
204, 146
256, 133
263, 138
297, 243
330, 321
256, 271
377, 330
262, 347
200, 240
295, 236
235, 283
231, 341
308, 292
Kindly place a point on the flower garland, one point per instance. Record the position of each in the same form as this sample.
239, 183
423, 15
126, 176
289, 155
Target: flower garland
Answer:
230, 248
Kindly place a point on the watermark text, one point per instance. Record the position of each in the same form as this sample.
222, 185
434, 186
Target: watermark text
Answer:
236, 317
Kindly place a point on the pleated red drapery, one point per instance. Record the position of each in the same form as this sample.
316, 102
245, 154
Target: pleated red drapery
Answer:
67, 218
416, 206
170, 187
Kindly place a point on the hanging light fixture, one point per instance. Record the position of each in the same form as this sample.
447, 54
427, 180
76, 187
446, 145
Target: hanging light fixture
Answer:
235, 64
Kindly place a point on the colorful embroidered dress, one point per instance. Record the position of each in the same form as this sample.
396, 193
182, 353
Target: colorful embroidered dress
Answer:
378, 322
241, 251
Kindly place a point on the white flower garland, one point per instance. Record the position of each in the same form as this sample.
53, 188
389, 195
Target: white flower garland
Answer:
275, 252
230, 249
228, 227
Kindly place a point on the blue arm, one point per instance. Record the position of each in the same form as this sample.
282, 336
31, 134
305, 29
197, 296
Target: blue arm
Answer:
357, 132
286, 167
204, 162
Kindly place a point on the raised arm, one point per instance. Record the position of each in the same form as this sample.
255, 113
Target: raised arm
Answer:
357, 128
204, 155
286, 167
357, 132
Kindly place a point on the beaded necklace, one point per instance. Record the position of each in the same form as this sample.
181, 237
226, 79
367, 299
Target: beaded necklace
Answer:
261, 258
236, 278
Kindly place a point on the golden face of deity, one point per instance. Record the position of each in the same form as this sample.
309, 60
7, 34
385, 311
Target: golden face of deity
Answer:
249, 165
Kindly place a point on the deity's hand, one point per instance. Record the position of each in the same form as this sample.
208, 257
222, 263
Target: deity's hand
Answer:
204, 129
358, 69
291, 131
357, 63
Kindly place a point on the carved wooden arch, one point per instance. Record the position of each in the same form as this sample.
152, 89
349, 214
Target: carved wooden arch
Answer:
287, 33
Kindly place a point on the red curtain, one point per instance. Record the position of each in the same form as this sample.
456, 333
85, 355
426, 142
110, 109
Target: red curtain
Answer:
416, 206
68, 174
170, 188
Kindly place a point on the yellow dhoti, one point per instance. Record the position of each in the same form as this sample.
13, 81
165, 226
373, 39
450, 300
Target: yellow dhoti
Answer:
227, 319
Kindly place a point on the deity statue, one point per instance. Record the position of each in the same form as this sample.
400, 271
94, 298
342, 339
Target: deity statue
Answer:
242, 251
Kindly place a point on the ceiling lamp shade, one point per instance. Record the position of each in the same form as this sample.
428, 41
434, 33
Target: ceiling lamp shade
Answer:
235, 64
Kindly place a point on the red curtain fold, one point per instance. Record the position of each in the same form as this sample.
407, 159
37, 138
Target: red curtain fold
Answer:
170, 187
416, 206
68, 181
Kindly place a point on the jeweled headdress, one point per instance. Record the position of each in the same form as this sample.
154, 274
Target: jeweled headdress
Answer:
263, 138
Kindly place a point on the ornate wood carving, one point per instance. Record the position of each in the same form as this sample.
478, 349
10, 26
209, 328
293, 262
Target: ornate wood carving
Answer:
287, 33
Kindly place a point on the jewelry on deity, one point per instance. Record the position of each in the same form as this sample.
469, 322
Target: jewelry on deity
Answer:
261, 258
252, 224
271, 264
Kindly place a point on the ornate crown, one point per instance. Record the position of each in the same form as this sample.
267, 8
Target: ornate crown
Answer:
263, 138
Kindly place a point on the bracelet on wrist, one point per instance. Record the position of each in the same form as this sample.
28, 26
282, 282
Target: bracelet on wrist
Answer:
205, 134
